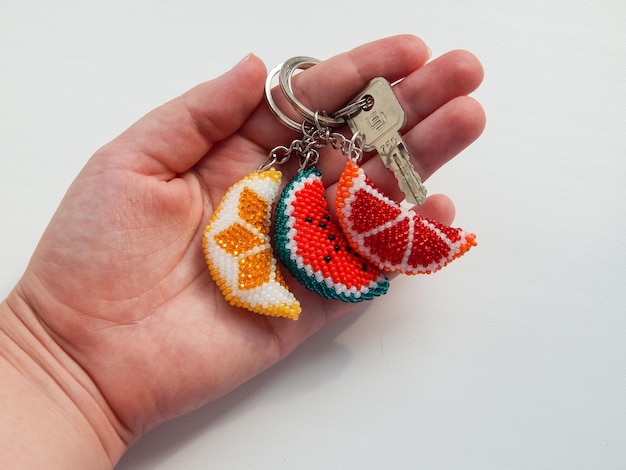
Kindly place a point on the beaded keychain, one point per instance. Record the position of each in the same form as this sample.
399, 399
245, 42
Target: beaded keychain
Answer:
342, 261
391, 236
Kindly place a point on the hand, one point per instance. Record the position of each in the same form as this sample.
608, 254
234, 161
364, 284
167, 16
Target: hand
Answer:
119, 281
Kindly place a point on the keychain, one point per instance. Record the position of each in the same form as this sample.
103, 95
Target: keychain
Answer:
342, 261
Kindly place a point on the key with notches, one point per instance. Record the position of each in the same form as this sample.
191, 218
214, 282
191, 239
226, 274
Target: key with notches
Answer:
379, 118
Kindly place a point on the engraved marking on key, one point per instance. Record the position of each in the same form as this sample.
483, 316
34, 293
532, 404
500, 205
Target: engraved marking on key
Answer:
379, 121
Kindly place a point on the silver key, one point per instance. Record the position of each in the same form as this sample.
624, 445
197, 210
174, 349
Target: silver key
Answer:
379, 120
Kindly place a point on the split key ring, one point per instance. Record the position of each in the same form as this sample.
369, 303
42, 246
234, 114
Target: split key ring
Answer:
286, 71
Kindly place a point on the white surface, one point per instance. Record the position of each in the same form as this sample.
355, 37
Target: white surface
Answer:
512, 358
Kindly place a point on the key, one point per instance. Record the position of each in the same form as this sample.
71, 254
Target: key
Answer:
379, 120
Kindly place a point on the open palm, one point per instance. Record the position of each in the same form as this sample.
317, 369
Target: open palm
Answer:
119, 279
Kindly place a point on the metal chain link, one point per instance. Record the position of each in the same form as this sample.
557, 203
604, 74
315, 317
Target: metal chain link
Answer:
315, 136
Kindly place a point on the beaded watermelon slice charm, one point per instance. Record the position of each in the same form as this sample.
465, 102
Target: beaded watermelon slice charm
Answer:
238, 252
391, 236
313, 248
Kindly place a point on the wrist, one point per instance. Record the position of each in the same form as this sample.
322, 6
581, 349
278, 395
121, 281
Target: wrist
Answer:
53, 414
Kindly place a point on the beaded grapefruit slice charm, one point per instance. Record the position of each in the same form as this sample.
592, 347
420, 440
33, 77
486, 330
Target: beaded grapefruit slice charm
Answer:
314, 249
393, 237
238, 252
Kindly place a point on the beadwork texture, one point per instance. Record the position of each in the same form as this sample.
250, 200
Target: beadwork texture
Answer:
391, 236
315, 250
238, 252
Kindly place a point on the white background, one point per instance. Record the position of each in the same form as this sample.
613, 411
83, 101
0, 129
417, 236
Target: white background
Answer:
514, 357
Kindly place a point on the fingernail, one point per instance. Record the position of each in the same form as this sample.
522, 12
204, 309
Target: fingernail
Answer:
245, 59
430, 52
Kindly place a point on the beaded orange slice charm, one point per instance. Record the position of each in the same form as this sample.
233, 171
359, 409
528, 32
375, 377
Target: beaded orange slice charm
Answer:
391, 236
238, 252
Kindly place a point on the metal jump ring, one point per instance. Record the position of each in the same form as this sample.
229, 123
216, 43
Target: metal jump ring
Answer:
355, 149
287, 71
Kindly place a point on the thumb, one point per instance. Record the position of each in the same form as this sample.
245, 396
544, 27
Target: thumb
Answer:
175, 136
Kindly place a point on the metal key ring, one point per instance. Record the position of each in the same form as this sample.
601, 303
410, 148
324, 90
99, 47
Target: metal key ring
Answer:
287, 71
282, 117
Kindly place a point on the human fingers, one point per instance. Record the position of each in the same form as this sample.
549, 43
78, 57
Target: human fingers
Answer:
456, 73
437, 207
445, 133
433, 142
175, 136
441, 120
333, 82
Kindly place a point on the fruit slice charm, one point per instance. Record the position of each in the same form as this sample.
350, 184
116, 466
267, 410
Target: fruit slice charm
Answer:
315, 250
392, 237
238, 252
